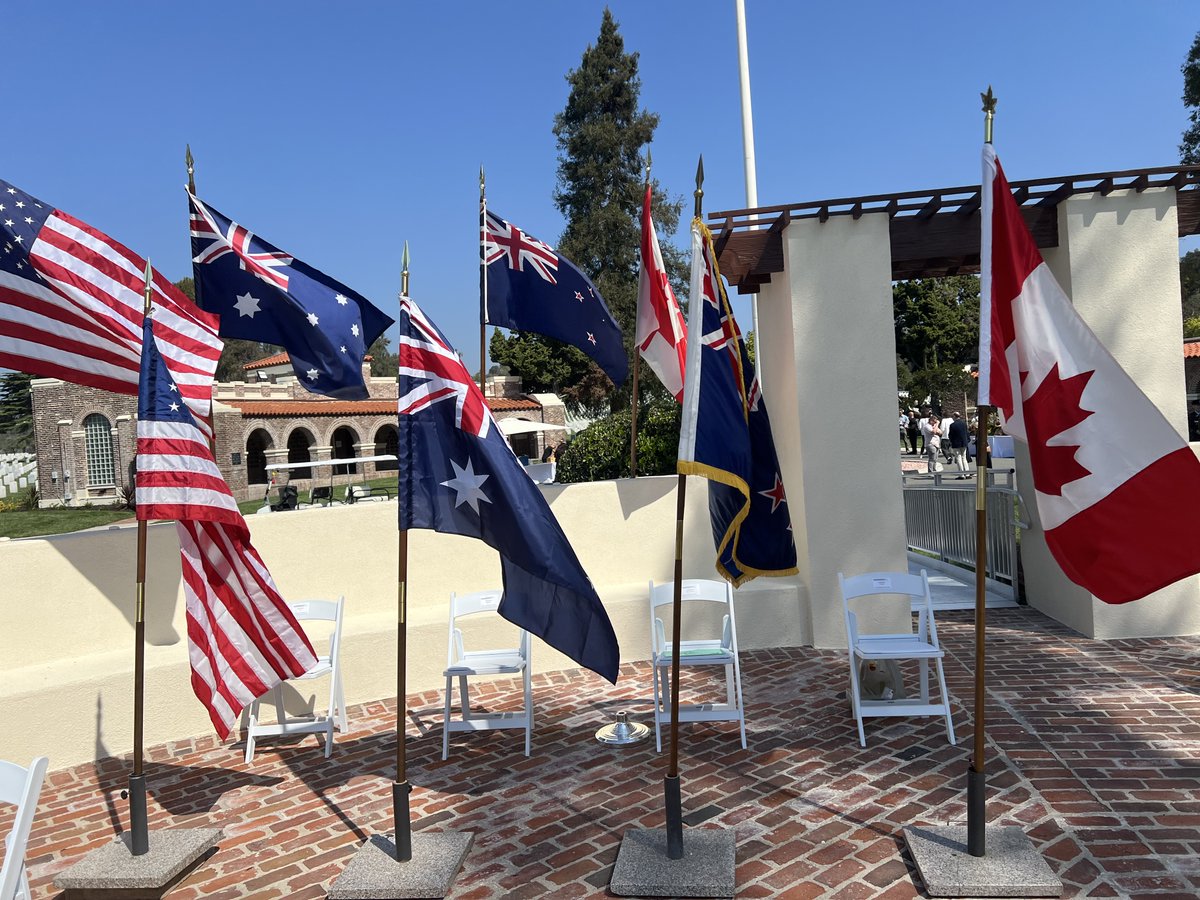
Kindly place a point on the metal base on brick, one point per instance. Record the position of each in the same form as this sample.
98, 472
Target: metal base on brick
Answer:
113, 873
374, 874
643, 868
1011, 868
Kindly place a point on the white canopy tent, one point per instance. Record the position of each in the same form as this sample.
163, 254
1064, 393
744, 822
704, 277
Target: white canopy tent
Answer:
524, 426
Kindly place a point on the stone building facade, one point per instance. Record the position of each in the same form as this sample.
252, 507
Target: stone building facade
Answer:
86, 437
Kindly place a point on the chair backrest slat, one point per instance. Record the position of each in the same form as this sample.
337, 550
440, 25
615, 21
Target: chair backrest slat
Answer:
28, 783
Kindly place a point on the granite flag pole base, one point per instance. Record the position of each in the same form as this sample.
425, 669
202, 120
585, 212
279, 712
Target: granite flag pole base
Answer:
1010, 868
113, 870
644, 869
374, 873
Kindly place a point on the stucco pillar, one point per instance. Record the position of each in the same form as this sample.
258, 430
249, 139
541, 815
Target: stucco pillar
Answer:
1118, 261
830, 384
364, 449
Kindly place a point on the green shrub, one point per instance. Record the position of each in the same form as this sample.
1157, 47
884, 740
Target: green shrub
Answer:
601, 451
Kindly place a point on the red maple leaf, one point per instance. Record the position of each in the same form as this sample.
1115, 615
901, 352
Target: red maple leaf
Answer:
1052, 409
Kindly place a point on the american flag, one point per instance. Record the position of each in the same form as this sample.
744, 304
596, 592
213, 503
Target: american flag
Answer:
71, 306
242, 638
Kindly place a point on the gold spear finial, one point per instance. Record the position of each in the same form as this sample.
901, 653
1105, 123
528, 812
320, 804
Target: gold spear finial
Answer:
482, 182
404, 271
191, 168
989, 113
649, 163
148, 290
699, 193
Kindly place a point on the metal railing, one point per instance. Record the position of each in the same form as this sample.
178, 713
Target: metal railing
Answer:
940, 520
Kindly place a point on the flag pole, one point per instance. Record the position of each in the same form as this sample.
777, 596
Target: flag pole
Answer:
671, 788
637, 355
191, 170
482, 284
139, 834
401, 789
977, 774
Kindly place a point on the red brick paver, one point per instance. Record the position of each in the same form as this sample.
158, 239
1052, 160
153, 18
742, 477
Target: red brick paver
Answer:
1094, 755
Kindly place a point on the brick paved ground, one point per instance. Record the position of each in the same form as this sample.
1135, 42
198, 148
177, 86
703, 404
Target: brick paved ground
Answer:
1095, 756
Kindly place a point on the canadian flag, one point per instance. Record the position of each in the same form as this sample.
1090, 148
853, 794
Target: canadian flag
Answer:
1117, 486
661, 332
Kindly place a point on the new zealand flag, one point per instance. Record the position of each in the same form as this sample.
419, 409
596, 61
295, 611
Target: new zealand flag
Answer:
263, 294
458, 476
725, 435
530, 287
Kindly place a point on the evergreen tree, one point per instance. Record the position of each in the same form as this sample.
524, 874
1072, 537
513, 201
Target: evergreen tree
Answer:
1189, 147
16, 412
601, 181
937, 334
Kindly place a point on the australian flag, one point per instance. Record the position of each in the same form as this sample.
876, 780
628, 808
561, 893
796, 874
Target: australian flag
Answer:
531, 288
264, 294
726, 435
458, 476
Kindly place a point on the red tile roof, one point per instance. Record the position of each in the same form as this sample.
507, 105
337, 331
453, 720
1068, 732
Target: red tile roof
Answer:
279, 359
1191, 347
505, 403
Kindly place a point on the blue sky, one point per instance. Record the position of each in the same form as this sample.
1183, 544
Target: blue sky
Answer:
339, 130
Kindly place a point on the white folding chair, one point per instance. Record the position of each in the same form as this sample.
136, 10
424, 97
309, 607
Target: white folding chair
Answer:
20, 787
722, 651
328, 665
462, 664
921, 645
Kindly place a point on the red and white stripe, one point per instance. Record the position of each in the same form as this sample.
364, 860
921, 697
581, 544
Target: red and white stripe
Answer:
661, 332
177, 477
1116, 485
83, 323
236, 240
242, 638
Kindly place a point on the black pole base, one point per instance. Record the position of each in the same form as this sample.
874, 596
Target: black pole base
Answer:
674, 817
139, 831
976, 812
401, 815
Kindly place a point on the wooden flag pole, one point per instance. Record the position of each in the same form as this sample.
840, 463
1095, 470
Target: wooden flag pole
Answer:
671, 787
401, 789
977, 774
139, 833
637, 358
482, 285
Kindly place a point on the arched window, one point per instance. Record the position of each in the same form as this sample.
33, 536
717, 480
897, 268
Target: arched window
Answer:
98, 438
387, 442
298, 443
344, 440
257, 446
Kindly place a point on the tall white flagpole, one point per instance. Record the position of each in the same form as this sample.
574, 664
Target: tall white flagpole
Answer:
748, 153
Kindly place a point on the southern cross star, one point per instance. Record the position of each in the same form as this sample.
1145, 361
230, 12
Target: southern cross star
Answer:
341, 299
466, 485
354, 330
312, 374
246, 305
312, 319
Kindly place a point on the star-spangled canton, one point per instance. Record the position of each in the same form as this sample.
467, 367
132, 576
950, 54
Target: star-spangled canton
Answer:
71, 303
242, 637
462, 478
725, 434
264, 294
530, 287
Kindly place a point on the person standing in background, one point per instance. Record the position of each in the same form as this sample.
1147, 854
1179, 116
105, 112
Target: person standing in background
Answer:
905, 447
931, 432
959, 438
914, 429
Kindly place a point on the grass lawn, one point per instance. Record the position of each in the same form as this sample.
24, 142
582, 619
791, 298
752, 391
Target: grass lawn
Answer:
34, 522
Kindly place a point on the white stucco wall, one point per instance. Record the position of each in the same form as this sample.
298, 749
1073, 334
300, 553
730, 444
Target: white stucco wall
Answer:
830, 385
1118, 261
67, 608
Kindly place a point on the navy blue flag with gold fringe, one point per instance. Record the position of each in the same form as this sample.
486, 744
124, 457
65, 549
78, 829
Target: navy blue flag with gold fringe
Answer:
725, 435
